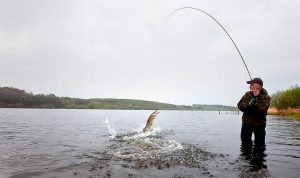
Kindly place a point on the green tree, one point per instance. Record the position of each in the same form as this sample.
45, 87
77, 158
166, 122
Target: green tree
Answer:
275, 99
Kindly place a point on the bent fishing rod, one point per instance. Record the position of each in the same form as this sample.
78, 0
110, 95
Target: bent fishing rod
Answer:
199, 10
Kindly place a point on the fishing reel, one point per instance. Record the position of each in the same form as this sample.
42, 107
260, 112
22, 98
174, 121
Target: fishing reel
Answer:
253, 102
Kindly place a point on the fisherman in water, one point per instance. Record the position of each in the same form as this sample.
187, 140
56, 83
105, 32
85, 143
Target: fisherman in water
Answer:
254, 105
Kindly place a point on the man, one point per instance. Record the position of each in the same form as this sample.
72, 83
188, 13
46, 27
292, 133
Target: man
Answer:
254, 105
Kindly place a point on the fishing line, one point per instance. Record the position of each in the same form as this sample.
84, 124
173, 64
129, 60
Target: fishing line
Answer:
199, 10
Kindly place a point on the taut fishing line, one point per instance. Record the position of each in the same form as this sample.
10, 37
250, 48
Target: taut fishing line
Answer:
199, 10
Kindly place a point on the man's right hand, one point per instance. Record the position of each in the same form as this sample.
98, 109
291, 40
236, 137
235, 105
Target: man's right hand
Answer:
253, 102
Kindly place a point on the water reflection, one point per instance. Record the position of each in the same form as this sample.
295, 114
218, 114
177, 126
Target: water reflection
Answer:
254, 159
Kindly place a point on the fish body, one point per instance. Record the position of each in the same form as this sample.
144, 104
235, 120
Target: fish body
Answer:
150, 121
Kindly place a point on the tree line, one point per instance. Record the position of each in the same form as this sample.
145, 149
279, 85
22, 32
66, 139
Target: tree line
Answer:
15, 98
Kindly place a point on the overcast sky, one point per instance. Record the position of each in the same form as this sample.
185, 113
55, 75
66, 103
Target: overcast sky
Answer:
123, 49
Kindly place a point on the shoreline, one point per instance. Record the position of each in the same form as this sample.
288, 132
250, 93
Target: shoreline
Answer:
292, 112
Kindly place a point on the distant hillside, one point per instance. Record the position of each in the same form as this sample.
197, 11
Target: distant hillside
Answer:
110, 103
16, 98
214, 107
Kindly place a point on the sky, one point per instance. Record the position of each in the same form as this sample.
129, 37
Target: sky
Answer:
124, 48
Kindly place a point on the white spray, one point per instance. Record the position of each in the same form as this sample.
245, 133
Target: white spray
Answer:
111, 130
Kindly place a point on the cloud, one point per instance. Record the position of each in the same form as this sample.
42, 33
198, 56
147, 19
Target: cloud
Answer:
122, 49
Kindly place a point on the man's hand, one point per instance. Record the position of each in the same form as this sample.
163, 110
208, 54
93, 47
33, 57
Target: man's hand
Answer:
253, 102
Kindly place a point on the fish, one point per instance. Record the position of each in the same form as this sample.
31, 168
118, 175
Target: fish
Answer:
150, 121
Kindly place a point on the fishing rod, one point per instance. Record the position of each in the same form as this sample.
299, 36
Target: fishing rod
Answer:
199, 10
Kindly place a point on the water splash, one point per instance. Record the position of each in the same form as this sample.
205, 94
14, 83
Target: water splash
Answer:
137, 145
152, 151
139, 150
140, 145
111, 130
140, 134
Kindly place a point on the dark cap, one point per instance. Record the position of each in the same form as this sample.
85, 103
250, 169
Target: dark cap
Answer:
256, 80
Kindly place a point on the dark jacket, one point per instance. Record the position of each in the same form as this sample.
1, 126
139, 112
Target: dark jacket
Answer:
255, 115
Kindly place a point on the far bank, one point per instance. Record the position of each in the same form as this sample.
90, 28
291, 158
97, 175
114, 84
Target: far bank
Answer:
292, 112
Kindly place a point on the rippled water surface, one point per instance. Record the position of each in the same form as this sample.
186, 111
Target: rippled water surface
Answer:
110, 143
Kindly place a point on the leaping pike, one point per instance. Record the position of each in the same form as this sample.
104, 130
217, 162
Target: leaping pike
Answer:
150, 121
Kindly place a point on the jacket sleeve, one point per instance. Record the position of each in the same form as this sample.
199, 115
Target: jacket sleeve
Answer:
263, 104
243, 104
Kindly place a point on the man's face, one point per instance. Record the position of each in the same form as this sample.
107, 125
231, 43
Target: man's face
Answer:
255, 88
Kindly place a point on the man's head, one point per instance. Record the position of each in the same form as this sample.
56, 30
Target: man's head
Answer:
255, 85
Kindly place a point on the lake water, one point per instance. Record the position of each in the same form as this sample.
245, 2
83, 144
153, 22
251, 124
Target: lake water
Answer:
110, 143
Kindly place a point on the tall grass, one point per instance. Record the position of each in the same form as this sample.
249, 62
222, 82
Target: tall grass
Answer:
286, 103
289, 99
